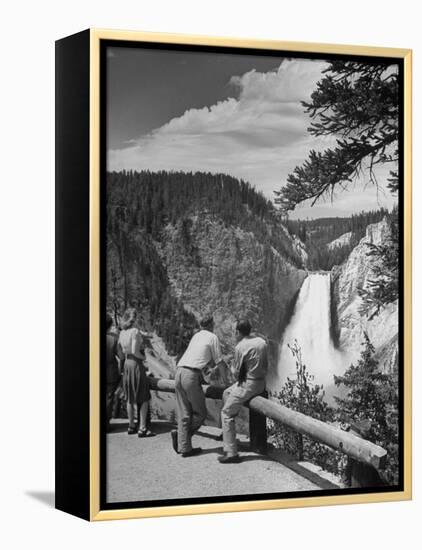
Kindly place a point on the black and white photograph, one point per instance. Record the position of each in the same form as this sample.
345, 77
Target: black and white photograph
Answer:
252, 227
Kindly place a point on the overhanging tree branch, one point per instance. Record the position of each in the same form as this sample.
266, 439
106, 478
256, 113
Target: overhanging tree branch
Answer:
357, 103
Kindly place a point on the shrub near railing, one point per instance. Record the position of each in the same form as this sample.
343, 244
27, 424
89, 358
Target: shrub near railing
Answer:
371, 401
371, 406
303, 395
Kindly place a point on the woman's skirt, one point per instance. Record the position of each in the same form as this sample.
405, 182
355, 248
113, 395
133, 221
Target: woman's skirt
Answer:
135, 382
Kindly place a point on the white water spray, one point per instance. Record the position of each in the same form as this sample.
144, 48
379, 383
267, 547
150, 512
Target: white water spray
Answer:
310, 325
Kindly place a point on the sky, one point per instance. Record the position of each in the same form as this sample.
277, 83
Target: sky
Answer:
223, 113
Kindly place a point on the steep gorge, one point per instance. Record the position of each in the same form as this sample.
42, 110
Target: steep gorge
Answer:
350, 323
180, 246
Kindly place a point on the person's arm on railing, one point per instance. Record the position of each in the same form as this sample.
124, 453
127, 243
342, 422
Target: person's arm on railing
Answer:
217, 367
220, 371
225, 373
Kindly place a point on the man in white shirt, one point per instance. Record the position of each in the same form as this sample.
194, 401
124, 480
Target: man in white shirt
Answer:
203, 352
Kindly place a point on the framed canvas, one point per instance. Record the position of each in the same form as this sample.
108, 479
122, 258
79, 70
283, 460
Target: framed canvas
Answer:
233, 274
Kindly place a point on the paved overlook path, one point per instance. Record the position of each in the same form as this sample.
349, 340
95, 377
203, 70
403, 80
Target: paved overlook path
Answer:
149, 469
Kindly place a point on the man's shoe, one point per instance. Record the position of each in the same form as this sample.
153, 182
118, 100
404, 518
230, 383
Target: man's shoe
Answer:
174, 441
227, 459
145, 433
193, 452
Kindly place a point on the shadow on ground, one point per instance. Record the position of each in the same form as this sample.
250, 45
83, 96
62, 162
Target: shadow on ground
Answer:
121, 426
45, 497
142, 470
303, 470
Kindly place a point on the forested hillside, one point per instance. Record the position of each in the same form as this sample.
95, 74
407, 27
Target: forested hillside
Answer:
150, 200
319, 233
225, 237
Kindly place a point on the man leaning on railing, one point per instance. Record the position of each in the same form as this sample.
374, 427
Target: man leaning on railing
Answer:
202, 353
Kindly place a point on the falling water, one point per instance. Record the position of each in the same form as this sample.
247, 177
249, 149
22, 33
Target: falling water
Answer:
310, 326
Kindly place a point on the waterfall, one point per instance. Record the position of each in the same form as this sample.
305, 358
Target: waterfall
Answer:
310, 326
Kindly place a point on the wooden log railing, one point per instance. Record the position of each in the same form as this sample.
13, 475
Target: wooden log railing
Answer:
369, 456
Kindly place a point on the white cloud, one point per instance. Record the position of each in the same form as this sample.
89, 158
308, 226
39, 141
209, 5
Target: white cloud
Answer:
260, 136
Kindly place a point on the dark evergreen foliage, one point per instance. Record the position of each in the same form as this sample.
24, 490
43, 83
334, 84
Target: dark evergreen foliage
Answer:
383, 287
149, 200
140, 205
372, 397
304, 395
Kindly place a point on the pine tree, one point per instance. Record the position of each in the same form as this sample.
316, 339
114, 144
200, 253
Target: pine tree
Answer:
372, 397
383, 286
359, 104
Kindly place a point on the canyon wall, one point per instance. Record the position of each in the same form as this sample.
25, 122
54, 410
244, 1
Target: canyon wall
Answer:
349, 323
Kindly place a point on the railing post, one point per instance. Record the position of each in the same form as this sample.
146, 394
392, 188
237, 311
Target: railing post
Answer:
359, 474
363, 475
258, 430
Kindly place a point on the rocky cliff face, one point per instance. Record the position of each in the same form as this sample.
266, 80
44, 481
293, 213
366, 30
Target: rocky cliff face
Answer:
353, 274
340, 241
224, 270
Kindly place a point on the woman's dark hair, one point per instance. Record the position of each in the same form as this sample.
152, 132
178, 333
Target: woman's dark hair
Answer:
207, 322
129, 318
109, 321
244, 327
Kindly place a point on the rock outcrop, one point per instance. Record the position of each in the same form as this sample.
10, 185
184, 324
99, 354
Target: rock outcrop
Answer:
340, 241
347, 279
224, 270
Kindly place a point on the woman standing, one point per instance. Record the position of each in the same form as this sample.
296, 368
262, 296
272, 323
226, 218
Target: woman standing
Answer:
112, 373
135, 381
